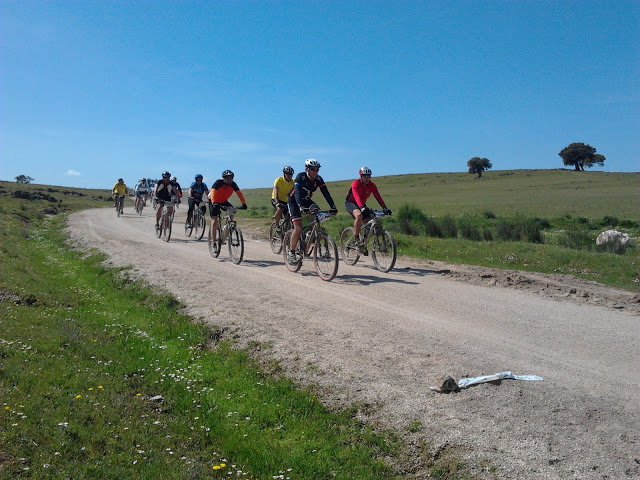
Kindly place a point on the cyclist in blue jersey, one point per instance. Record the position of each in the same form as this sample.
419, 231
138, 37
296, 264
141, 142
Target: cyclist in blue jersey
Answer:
198, 192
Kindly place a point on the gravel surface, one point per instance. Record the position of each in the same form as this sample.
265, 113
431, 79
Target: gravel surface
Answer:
382, 340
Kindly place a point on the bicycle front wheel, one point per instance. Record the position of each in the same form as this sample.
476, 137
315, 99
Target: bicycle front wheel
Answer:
188, 228
325, 257
383, 251
236, 245
166, 228
292, 265
201, 226
349, 247
275, 239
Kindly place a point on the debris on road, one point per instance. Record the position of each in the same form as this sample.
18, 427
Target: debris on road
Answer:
447, 384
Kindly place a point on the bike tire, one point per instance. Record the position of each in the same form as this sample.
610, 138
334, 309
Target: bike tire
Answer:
236, 245
383, 251
325, 257
348, 250
275, 239
201, 226
286, 241
214, 247
166, 229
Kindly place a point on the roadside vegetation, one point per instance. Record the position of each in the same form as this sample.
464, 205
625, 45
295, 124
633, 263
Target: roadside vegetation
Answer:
100, 377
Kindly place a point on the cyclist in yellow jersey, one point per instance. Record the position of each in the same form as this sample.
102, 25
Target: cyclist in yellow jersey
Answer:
120, 188
282, 187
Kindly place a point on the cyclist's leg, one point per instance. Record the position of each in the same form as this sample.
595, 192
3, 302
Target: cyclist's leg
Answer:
160, 204
296, 221
278, 211
355, 212
214, 211
190, 211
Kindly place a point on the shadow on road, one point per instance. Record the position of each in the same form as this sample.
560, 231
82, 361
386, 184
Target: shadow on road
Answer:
420, 271
369, 280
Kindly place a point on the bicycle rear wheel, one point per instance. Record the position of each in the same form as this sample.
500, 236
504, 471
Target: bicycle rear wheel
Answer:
275, 239
286, 241
383, 251
236, 245
348, 247
325, 257
200, 226
214, 246
166, 228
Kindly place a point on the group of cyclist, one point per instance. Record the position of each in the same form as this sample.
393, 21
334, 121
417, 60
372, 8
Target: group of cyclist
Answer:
289, 195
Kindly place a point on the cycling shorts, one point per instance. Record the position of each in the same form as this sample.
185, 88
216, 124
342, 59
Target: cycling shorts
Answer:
215, 208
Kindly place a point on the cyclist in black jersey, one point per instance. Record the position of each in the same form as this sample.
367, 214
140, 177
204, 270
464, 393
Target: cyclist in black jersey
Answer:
300, 201
163, 192
198, 192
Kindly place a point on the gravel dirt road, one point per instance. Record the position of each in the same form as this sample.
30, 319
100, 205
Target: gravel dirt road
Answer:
381, 340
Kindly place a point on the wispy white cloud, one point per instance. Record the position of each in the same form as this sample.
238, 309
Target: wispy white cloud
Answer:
72, 173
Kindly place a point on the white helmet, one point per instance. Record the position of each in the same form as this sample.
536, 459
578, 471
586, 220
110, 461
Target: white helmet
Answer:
311, 162
365, 171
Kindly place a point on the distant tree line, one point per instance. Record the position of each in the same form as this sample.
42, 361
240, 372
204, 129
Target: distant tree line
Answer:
24, 179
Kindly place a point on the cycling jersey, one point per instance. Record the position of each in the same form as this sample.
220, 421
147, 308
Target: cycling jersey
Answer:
119, 188
304, 187
359, 193
284, 187
221, 192
198, 190
164, 191
141, 188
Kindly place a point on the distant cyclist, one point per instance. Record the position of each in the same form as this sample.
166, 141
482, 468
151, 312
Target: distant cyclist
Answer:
163, 192
140, 191
118, 189
300, 201
176, 187
221, 191
356, 202
198, 191
282, 187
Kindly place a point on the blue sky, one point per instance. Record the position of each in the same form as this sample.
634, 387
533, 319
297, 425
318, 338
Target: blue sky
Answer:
94, 90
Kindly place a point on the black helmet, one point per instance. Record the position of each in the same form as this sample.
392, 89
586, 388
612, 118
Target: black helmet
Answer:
199, 176
288, 170
120, 180
166, 175
227, 173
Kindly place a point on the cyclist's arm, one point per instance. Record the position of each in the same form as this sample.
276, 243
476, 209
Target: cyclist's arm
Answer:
327, 196
378, 197
241, 197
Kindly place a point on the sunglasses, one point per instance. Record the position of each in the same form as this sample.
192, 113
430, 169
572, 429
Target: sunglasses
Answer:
314, 169
366, 176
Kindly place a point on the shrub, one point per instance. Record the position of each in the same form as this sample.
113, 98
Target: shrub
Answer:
519, 229
609, 221
578, 238
489, 215
449, 227
411, 219
432, 229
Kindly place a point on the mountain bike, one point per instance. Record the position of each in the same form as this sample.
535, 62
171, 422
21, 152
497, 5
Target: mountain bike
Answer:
229, 233
198, 222
140, 203
383, 246
277, 232
166, 219
119, 202
314, 241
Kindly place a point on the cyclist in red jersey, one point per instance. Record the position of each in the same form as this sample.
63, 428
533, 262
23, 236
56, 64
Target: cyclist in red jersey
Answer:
356, 202
220, 192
